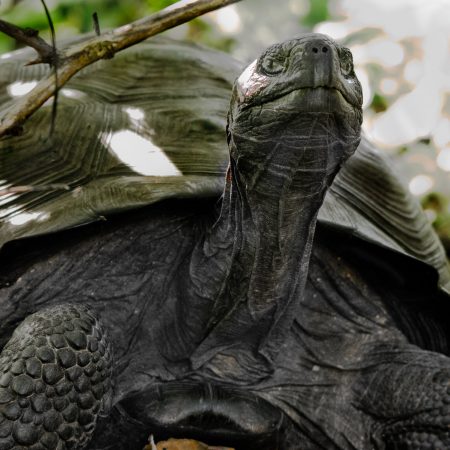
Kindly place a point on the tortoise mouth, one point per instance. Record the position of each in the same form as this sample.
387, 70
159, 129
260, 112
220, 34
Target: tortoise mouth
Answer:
317, 98
347, 97
214, 414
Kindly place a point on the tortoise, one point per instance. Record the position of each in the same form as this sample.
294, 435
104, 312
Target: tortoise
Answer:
193, 297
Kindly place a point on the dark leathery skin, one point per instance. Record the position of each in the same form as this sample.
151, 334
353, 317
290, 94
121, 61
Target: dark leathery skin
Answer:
55, 380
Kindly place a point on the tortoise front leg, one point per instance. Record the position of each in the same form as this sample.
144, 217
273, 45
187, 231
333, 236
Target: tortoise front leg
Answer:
55, 380
408, 395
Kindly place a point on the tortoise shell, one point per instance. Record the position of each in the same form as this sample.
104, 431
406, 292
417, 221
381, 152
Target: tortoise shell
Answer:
150, 125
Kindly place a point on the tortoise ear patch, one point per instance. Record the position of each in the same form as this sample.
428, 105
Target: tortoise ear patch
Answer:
251, 81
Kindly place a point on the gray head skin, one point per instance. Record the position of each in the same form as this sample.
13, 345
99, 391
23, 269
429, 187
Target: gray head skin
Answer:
216, 327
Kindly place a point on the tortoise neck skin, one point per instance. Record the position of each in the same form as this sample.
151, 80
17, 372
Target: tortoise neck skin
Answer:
294, 118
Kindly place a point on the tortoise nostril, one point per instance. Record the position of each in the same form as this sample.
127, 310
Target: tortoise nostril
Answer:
317, 49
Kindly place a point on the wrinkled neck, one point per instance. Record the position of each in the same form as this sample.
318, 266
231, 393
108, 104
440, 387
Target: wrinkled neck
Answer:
275, 219
264, 235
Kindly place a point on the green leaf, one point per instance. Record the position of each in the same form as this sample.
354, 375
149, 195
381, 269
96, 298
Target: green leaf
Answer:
318, 12
379, 103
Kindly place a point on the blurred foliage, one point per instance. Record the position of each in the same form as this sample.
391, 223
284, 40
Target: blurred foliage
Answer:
201, 31
439, 205
318, 12
379, 103
72, 17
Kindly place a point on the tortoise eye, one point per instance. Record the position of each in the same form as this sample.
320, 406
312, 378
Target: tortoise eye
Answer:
273, 63
346, 60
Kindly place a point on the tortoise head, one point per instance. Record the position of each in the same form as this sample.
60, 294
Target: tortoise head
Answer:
297, 94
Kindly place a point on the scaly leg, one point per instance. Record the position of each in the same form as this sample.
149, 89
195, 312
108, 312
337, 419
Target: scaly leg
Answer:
55, 380
408, 395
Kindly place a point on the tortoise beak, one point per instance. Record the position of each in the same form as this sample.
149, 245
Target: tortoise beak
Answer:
319, 66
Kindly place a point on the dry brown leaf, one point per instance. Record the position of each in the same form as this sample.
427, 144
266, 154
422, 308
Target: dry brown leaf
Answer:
184, 444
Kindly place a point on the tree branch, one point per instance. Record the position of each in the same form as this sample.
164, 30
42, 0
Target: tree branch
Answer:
30, 37
76, 57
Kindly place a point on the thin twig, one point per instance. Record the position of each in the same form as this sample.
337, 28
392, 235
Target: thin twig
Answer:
55, 68
77, 57
30, 37
96, 23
